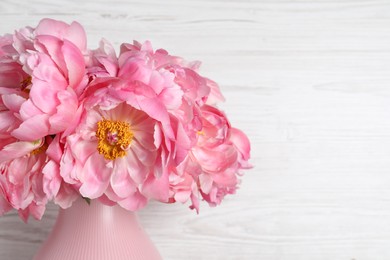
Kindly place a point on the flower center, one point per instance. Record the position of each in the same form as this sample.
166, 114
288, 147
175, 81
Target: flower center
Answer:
200, 133
114, 138
40, 149
25, 83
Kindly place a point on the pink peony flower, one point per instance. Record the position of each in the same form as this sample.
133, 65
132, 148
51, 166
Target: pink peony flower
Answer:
62, 193
112, 153
21, 176
21, 162
220, 153
183, 186
52, 57
125, 129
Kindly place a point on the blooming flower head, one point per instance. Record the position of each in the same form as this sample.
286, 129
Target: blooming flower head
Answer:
41, 76
113, 153
21, 177
125, 129
21, 162
51, 66
220, 153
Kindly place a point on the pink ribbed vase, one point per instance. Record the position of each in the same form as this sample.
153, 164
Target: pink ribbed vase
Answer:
97, 232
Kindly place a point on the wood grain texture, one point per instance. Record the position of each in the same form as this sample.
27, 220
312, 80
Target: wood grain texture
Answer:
308, 81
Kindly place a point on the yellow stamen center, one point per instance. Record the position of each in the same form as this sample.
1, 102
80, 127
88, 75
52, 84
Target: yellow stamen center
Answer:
114, 138
200, 133
40, 149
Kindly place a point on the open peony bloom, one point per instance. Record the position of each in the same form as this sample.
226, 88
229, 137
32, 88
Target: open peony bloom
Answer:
124, 129
52, 56
112, 153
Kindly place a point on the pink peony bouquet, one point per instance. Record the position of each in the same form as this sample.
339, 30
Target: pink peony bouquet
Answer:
124, 129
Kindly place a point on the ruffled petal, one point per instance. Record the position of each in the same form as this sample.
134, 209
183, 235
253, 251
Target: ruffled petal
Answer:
16, 150
33, 128
95, 177
120, 180
133, 202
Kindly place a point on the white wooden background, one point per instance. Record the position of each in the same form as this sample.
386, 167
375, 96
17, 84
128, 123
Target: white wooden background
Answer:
308, 81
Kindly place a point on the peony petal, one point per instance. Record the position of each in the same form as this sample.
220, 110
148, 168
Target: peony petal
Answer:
134, 202
66, 111
52, 46
75, 64
183, 144
215, 93
33, 129
120, 180
44, 97
146, 157
66, 196
95, 177
54, 151
241, 141
216, 160
46, 70
75, 33
7, 122
205, 183
13, 102
81, 149
156, 188
137, 170
28, 110
51, 179
16, 150
51, 27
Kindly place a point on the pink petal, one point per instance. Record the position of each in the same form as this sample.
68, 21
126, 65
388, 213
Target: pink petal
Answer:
75, 33
28, 110
33, 129
7, 121
13, 102
138, 171
206, 183
183, 144
11, 74
24, 214
51, 179
241, 141
215, 94
16, 150
216, 160
66, 196
182, 196
65, 111
106, 201
120, 179
47, 70
54, 151
146, 157
52, 46
44, 97
95, 177
51, 27
156, 188
75, 64
18, 169
81, 149
36, 210
134, 202
134, 69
